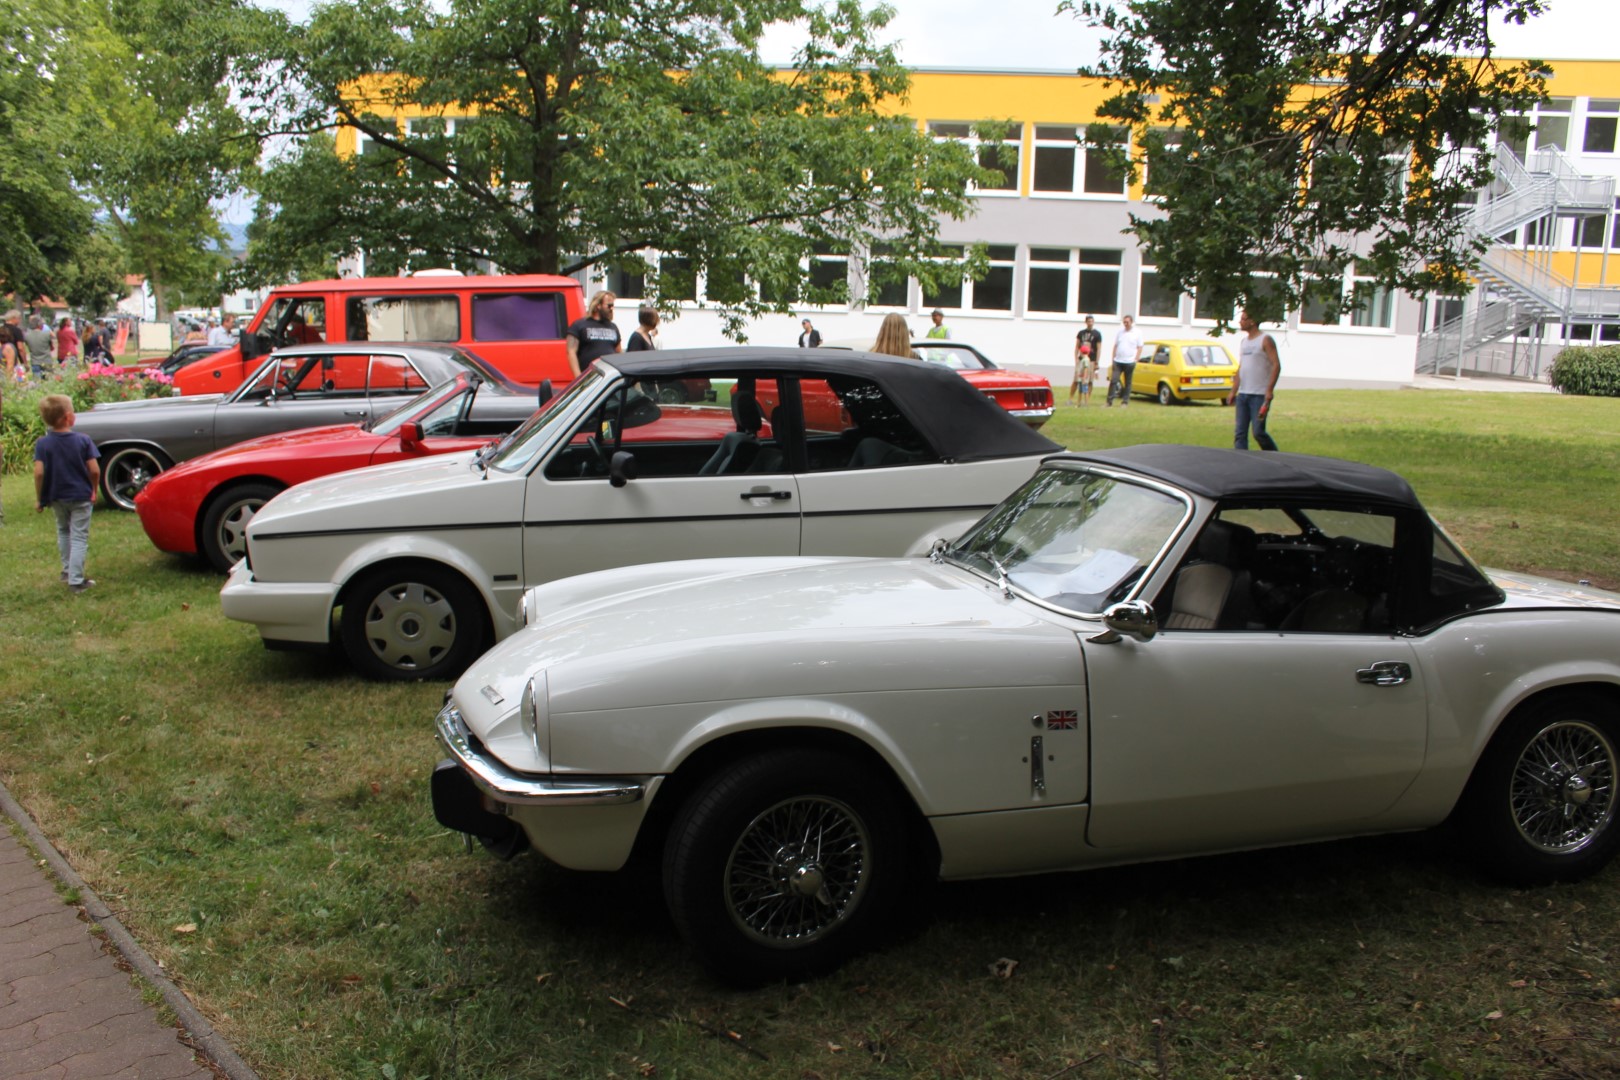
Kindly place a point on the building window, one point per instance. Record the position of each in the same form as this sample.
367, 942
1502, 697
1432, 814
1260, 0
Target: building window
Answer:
1057, 159
1552, 123
994, 291
1591, 230
1601, 118
1047, 284
1001, 155
1156, 300
1370, 304
885, 287
947, 293
1102, 176
1099, 280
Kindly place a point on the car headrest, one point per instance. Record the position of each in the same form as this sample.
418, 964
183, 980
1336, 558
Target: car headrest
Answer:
745, 411
1225, 543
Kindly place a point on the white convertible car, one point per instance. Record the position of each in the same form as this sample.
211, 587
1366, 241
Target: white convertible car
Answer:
660, 455
1140, 654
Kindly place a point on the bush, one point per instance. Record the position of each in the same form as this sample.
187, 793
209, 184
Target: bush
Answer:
1583, 369
21, 426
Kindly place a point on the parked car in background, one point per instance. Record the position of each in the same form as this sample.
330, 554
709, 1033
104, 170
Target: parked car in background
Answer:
183, 355
785, 452
303, 387
515, 322
1144, 653
1176, 372
203, 506
1024, 395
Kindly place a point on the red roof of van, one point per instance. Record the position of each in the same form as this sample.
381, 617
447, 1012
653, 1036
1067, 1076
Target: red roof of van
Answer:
431, 283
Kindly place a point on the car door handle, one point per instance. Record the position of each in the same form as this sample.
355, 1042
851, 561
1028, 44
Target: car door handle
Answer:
356, 412
779, 496
1385, 673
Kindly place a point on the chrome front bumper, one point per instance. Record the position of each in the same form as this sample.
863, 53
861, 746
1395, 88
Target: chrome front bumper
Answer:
506, 786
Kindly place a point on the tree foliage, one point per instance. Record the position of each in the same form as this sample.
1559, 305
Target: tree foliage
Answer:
554, 135
91, 281
41, 216
1284, 139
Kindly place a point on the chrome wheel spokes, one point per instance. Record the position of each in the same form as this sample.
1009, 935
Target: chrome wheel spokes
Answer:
1562, 789
797, 871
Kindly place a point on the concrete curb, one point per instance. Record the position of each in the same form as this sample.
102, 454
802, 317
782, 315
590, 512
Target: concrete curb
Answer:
203, 1036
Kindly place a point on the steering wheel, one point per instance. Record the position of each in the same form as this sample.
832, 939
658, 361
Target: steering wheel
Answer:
284, 385
601, 451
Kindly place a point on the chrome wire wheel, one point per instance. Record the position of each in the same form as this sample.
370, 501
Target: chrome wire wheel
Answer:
1562, 787
410, 626
797, 871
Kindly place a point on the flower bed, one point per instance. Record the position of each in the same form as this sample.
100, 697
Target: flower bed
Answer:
20, 424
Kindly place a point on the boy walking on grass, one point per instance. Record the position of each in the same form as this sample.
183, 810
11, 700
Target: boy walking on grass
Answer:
66, 475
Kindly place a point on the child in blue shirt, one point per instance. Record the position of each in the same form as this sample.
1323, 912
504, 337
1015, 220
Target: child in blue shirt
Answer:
66, 475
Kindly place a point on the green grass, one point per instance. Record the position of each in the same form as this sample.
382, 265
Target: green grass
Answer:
261, 823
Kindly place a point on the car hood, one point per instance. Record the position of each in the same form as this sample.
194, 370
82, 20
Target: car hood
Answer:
1529, 591
742, 630
280, 444
419, 493
191, 401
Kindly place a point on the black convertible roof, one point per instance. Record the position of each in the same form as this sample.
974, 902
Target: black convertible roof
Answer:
959, 422
1223, 474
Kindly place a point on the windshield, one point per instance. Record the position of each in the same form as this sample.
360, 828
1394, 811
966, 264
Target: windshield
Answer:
518, 449
1206, 356
1073, 539
389, 424
955, 357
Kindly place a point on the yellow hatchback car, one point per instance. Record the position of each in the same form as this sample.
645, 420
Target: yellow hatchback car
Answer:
1182, 371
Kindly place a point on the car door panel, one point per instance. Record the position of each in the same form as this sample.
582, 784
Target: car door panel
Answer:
891, 511
1210, 740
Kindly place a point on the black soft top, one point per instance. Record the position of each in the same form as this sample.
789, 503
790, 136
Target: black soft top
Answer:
1224, 474
959, 422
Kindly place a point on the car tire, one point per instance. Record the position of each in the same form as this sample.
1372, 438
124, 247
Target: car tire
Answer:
1541, 805
671, 393
1166, 395
412, 621
223, 537
746, 828
127, 470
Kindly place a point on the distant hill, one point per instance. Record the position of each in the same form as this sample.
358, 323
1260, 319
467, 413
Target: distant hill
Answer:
235, 237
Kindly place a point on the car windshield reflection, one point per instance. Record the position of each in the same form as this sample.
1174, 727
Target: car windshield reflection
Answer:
391, 423
1074, 539
518, 450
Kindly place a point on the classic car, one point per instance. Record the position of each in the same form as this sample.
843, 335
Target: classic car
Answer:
1024, 395
302, 387
799, 452
203, 506
1144, 653
183, 355
1176, 372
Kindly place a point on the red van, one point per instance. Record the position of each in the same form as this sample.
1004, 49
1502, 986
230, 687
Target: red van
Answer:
516, 322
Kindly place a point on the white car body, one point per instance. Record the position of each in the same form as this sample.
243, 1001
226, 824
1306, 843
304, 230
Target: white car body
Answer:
1023, 732
501, 526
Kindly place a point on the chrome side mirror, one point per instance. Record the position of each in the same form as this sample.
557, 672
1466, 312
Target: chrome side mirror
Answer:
1130, 619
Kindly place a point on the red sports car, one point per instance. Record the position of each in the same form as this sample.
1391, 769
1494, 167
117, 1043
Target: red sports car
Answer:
203, 506
1026, 396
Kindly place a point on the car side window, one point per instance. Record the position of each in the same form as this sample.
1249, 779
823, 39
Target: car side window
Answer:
698, 426
1292, 568
850, 423
391, 373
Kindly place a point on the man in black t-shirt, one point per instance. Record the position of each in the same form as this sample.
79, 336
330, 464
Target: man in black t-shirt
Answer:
594, 335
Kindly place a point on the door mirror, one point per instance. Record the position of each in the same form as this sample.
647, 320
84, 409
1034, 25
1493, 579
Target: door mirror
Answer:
621, 468
1130, 619
410, 436
253, 346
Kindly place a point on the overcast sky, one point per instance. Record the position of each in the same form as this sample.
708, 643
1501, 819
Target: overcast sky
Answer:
1021, 35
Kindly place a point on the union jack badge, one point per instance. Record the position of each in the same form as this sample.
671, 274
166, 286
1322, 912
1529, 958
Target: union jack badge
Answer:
1062, 720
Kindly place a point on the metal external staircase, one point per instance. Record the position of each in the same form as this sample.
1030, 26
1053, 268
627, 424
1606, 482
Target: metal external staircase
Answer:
1518, 290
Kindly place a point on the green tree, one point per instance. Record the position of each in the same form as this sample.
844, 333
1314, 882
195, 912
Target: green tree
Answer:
553, 135
41, 216
92, 280
1285, 138
161, 141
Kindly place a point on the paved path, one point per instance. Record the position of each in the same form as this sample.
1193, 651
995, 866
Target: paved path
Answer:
67, 1010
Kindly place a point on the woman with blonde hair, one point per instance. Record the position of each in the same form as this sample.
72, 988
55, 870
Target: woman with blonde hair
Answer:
894, 338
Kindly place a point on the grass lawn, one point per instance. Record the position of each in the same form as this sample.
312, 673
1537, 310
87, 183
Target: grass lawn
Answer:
261, 822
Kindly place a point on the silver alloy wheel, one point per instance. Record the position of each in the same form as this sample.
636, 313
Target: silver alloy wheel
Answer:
1562, 788
1166, 395
798, 870
128, 471
231, 534
410, 626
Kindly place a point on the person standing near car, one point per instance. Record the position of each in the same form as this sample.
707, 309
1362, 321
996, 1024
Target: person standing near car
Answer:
67, 342
594, 335
1258, 368
224, 335
644, 338
41, 341
939, 331
811, 337
1087, 352
13, 346
1127, 347
66, 474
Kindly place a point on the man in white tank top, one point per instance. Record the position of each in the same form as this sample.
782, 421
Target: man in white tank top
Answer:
1258, 368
